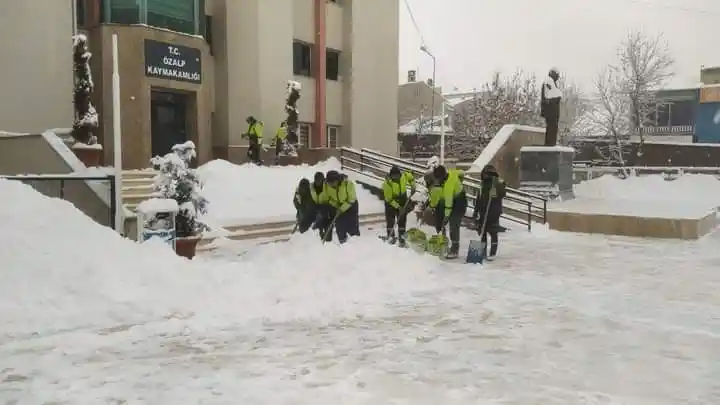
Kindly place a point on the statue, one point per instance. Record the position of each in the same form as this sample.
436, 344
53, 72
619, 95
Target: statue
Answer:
550, 97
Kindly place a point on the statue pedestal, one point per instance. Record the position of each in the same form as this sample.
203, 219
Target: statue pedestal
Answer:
547, 171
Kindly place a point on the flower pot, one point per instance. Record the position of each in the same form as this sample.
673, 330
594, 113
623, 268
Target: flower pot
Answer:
89, 155
185, 247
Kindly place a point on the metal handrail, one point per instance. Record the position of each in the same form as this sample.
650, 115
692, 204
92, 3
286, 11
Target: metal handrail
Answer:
535, 207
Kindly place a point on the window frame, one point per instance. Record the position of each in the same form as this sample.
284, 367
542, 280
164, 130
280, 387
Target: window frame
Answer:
336, 55
106, 7
307, 135
297, 69
335, 131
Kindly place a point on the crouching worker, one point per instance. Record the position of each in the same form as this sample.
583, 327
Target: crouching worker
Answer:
305, 206
397, 203
343, 206
322, 220
449, 200
488, 208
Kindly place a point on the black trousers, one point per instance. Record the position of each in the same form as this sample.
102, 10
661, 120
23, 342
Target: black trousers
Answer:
492, 231
305, 221
456, 215
395, 216
348, 223
254, 150
278, 148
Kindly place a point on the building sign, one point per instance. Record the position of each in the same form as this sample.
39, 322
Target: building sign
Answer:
168, 61
710, 94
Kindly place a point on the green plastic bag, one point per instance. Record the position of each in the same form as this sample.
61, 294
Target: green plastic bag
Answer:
417, 239
437, 245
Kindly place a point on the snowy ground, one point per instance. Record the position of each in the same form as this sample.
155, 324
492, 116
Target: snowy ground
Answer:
241, 194
559, 319
689, 196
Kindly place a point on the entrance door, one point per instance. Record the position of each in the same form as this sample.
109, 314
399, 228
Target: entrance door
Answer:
168, 121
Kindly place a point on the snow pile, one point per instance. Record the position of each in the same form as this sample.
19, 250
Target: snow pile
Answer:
688, 196
248, 193
62, 272
689, 187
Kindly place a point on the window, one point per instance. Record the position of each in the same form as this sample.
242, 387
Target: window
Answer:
333, 135
682, 112
302, 58
332, 64
175, 15
186, 16
121, 11
304, 130
663, 115
80, 13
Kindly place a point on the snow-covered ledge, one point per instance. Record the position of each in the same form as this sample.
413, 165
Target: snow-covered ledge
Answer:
76, 166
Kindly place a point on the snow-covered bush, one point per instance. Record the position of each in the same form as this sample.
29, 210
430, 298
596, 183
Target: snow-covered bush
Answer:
293, 95
86, 117
177, 181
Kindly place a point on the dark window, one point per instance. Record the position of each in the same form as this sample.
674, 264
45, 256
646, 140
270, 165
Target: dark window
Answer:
175, 15
682, 113
186, 16
302, 57
663, 115
121, 11
332, 64
80, 12
207, 29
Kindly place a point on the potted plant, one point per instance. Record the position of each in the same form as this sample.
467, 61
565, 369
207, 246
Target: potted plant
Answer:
86, 147
177, 181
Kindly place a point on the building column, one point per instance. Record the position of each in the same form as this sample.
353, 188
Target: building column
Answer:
319, 72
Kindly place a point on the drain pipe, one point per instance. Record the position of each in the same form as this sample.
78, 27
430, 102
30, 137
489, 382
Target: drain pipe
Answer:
117, 139
319, 73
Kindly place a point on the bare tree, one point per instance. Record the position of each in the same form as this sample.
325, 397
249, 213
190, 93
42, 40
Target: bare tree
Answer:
505, 100
626, 94
573, 106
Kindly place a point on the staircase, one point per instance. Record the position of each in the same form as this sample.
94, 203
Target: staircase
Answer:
273, 231
137, 186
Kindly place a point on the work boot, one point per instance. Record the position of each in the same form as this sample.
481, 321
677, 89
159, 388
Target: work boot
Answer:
391, 236
402, 242
493, 252
454, 251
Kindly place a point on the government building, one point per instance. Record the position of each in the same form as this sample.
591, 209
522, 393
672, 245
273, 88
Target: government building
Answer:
195, 69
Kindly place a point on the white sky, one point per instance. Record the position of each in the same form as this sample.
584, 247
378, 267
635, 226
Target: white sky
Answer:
472, 38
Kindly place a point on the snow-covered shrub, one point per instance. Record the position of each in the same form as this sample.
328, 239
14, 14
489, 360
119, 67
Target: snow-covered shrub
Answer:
293, 95
177, 181
86, 117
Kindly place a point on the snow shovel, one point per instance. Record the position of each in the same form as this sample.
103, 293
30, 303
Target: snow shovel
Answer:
329, 230
477, 248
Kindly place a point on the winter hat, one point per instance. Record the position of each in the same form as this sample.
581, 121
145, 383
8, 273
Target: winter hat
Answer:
440, 172
433, 162
394, 171
319, 177
332, 176
489, 169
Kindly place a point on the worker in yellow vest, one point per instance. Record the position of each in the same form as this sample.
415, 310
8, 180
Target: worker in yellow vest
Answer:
449, 200
279, 140
255, 137
397, 203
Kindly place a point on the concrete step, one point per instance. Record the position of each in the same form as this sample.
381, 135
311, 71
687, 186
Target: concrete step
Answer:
289, 224
138, 189
134, 199
138, 174
274, 235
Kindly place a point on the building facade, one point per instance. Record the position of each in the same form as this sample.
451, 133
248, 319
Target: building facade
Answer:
196, 69
689, 115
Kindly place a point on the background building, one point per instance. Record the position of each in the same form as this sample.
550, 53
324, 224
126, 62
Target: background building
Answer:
195, 69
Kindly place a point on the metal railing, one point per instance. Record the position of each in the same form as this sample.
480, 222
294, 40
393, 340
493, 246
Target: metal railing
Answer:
60, 181
519, 207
